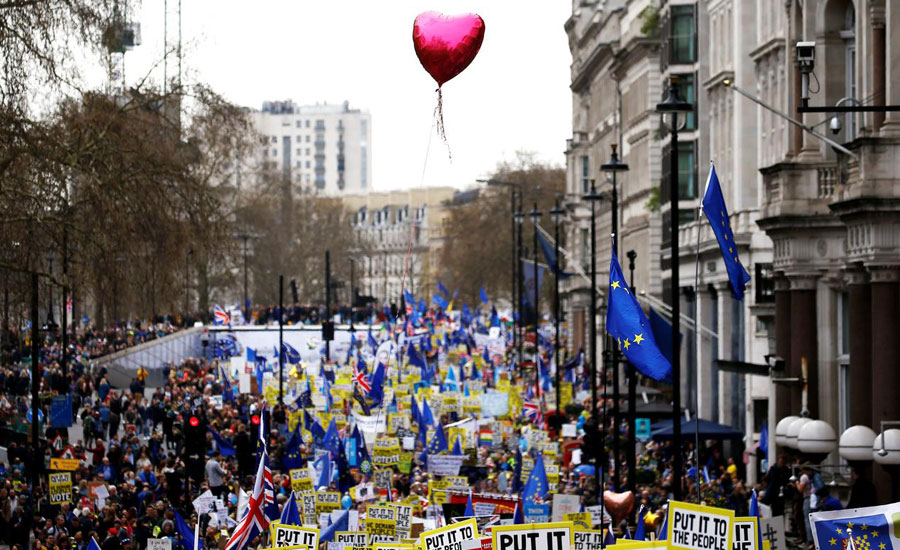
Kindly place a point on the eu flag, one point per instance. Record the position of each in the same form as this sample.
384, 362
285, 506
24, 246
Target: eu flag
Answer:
483, 295
442, 289
292, 457
714, 207
871, 528
626, 322
536, 487
224, 446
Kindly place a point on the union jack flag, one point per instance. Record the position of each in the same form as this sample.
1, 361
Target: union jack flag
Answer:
360, 376
220, 316
534, 412
254, 522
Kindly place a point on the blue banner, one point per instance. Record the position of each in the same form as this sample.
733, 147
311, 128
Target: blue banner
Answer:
61, 411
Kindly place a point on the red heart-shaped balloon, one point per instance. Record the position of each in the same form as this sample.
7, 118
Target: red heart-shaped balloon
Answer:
618, 504
446, 44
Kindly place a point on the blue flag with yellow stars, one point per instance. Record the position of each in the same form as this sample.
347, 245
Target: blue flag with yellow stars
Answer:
536, 488
626, 322
714, 207
871, 528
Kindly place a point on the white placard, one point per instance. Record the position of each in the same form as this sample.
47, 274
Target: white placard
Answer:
159, 544
547, 536
693, 527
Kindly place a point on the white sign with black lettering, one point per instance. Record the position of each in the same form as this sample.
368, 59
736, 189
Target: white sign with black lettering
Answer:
159, 544
693, 527
745, 530
588, 540
291, 535
538, 536
449, 537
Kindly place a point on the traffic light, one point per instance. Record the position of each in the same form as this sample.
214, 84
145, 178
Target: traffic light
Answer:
327, 330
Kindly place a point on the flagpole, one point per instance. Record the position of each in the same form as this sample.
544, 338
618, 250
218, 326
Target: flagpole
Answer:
697, 361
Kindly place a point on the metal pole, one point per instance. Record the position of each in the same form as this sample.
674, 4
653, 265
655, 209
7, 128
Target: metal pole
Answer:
246, 296
593, 343
280, 339
352, 293
556, 307
328, 300
65, 310
615, 350
35, 380
515, 260
521, 287
677, 468
537, 308
632, 391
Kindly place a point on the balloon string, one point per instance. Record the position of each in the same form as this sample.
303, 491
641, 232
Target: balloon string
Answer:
439, 119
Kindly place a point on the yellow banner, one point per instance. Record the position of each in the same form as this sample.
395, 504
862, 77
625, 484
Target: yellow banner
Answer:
68, 464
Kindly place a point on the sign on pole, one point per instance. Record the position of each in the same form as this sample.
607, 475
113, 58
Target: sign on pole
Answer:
694, 527
300, 480
327, 501
450, 537
642, 429
537, 536
381, 523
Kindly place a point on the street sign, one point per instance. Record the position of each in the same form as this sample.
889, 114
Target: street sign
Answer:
642, 428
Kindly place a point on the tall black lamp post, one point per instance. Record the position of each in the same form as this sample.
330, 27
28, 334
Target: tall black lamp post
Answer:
557, 215
593, 197
630, 455
535, 217
613, 167
519, 218
672, 105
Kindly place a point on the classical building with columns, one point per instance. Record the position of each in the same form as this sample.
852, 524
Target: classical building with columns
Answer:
834, 219
818, 229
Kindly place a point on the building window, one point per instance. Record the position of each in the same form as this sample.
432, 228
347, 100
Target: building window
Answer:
585, 174
687, 171
307, 139
684, 87
848, 33
682, 37
299, 124
307, 125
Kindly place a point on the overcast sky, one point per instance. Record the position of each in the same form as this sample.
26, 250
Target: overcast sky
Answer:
514, 96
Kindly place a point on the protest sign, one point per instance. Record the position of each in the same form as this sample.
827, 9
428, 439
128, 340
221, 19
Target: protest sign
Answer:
381, 522
355, 540
745, 534
599, 514
587, 539
293, 535
307, 505
773, 532
68, 464
204, 502
392, 546
543, 536
536, 513
327, 501
565, 504
458, 483
404, 519
60, 487
300, 480
449, 537
580, 519
386, 452
337, 546
445, 465
495, 404
61, 411
694, 527
381, 479
159, 544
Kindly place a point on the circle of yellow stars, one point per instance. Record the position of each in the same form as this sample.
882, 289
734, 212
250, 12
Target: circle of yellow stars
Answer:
861, 542
639, 337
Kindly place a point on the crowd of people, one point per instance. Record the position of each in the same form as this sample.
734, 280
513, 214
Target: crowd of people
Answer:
145, 454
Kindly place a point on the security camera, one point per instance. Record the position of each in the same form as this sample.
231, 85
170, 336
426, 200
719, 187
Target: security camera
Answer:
806, 55
835, 125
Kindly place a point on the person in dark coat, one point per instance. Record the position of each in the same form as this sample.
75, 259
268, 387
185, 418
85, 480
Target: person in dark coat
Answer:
243, 450
862, 492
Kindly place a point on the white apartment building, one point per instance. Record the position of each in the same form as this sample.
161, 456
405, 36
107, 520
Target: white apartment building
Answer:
324, 149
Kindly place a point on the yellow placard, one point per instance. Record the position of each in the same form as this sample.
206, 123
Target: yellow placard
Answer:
60, 487
68, 464
381, 523
448, 537
746, 534
579, 519
505, 537
695, 527
327, 502
300, 480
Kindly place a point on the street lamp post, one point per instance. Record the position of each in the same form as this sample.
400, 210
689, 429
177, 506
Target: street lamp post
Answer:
614, 166
557, 215
535, 217
519, 218
280, 339
673, 106
593, 197
352, 292
245, 237
632, 391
